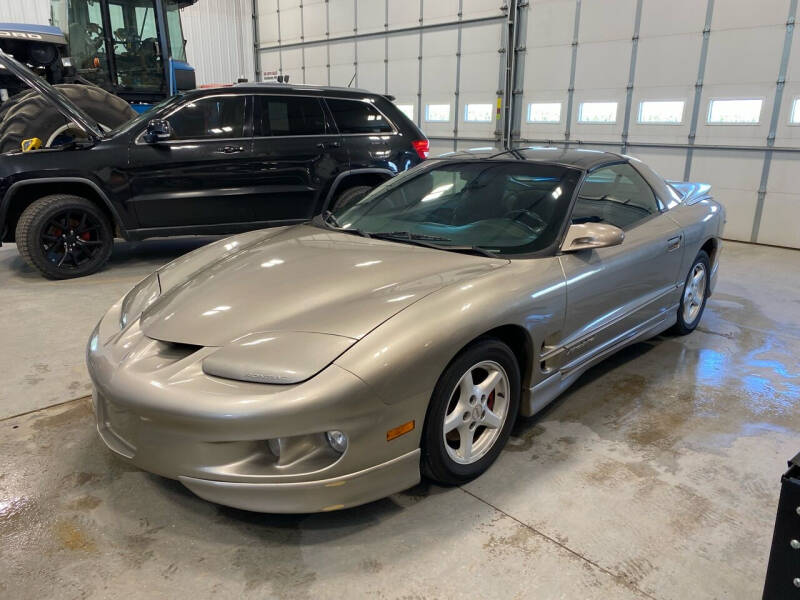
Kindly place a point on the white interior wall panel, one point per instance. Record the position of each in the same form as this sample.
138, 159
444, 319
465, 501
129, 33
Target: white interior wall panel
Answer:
35, 12
219, 36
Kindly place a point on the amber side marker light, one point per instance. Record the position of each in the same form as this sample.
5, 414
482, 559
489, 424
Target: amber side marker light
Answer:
398, 431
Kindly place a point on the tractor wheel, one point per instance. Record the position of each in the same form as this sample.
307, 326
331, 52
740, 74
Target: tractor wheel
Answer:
12, 102
33, 116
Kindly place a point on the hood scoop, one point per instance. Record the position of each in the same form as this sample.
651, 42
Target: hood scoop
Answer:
282, 357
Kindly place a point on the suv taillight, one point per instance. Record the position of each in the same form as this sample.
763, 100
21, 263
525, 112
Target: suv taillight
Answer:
422, 147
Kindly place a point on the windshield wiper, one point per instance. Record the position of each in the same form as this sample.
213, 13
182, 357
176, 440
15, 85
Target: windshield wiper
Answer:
427, 241
407, 235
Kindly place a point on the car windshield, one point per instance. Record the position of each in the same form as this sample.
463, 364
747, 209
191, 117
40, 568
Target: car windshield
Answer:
500, 207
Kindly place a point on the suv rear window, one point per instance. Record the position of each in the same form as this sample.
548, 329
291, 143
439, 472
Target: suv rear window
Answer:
355, 116
289, 115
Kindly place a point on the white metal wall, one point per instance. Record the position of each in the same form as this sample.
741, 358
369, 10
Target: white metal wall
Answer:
661, 57
220, 40
219, 34
36, 12
421, 52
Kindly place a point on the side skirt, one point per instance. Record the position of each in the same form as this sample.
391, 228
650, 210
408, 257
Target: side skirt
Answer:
543, 393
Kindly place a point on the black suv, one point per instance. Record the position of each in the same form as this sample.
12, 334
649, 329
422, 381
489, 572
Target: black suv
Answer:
213, 161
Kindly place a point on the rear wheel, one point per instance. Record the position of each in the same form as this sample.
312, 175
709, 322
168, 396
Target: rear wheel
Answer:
350, 196
31, 115
695, 294
472, 411
64, 236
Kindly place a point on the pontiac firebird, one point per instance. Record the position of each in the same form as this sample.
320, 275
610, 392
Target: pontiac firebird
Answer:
325, 365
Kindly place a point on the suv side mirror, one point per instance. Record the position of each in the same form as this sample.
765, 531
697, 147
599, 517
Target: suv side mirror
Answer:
158, 130
582, 236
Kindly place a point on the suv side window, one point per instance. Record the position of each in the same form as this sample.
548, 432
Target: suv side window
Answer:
356, 116
289, 115
209, 118
617, 195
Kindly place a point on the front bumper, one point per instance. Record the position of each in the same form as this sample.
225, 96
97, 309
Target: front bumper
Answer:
157, 410
313, 496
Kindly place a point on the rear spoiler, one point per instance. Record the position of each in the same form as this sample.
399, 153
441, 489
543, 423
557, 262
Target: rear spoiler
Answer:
691, 192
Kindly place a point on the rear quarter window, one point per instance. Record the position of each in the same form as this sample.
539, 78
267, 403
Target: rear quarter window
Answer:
357, 116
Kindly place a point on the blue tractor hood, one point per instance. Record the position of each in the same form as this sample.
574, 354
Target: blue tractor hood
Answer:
33, 33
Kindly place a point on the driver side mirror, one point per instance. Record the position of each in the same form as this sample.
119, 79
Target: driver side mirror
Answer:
583, 236
158, 130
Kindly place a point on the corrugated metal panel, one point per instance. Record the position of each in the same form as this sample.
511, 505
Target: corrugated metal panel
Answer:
220, 40
35, 12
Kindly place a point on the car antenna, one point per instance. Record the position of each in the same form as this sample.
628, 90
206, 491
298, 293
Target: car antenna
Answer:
352, 79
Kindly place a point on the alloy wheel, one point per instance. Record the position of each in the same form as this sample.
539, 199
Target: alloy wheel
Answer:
476, 412
694, 293
71, 238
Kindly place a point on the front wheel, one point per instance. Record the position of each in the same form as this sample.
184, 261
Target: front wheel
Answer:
472, 410
695, 295
64, 236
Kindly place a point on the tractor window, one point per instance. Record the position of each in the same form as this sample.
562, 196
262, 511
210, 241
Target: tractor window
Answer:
177, 45
209, 118
136, 48
86, 40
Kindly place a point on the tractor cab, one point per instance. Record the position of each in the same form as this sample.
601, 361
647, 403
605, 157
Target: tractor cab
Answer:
134, 49
110, 58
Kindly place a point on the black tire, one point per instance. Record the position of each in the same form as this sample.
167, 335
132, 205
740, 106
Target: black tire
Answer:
45, 233
684, 327
33, 116
350, 196
6, 106
437, 463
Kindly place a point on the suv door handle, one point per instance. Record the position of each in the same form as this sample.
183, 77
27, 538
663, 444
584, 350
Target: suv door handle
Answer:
231, 149
674, 243
324, 145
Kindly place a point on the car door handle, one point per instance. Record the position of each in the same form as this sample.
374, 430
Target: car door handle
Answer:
674, 243
231, 149
324, 145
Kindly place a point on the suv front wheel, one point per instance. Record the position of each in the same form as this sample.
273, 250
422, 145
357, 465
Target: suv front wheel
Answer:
64, 236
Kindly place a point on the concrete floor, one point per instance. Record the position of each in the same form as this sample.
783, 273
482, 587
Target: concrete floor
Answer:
656, 476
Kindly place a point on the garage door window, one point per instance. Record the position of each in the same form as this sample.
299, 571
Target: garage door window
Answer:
734, 112
289, 115
354, 116
209, 118
616, 195
597, 112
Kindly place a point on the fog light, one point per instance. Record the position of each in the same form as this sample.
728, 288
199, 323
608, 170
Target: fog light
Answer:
337, 440
274, 447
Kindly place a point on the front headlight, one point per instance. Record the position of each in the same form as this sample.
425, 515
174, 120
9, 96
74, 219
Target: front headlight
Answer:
139, 298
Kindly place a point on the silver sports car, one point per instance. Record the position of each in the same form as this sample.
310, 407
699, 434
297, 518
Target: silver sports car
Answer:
324, 365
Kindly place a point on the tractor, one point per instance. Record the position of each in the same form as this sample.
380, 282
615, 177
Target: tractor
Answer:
112, 58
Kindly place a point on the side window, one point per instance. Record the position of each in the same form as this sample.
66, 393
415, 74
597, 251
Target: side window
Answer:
209, 118
289, 115
617, 195
355, 116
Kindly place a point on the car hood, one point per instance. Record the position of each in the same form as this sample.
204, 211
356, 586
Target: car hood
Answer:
305, 279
